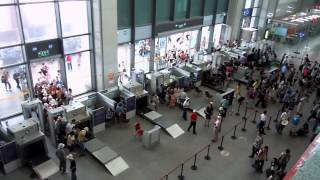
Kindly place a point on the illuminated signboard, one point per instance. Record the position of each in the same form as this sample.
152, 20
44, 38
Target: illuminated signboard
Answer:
43, 49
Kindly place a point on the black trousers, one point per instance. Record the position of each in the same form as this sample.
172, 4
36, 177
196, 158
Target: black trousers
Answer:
192, 124
254, 151
62, 166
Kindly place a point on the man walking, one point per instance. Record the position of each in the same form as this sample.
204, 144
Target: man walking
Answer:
262, 122
193, 121
257, 144
185, 107
284, 159
216, 128
208, 112
262, 155
61, 155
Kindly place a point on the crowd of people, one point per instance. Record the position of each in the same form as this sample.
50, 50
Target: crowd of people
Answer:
289, 85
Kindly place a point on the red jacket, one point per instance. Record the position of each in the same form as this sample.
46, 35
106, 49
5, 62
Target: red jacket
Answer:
194, 117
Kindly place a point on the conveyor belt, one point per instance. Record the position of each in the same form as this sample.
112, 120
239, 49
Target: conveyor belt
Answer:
111, 160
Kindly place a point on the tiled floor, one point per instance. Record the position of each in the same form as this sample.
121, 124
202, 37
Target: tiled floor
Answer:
232, 163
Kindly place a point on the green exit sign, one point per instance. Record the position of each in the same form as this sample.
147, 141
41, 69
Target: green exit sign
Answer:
44, 53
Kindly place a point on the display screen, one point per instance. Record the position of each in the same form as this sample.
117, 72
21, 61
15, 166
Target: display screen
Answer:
43, 49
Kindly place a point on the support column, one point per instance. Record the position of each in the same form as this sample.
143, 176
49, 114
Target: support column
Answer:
233, 20
105, 40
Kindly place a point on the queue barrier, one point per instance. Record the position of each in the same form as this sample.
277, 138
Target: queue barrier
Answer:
207, 148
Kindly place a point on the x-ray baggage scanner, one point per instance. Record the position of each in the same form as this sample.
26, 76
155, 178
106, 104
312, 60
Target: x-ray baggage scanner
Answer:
114, 95
96, 107
192, 72
34, 108
111, 160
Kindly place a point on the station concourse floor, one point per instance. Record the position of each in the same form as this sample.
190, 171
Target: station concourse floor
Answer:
232, 163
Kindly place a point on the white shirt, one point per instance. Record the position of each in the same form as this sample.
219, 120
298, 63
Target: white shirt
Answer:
284, 116
263, 117
186, 103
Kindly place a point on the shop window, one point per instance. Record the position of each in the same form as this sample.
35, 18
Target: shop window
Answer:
124, 63
74, 18
79, 72
10, 56
13, 91
76, 44
39, 21
205, 35
181, 9
9, 31
142, 55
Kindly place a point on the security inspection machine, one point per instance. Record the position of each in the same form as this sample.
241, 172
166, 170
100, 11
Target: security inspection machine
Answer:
34, 108
31, 148
193, 73
113, 96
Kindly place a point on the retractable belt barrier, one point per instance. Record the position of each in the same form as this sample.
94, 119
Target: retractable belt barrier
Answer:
180, 169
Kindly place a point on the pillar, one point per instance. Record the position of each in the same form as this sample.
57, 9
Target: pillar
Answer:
105, 43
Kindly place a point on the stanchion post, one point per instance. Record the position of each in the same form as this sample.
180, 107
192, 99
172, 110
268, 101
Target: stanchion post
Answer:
245, 113
268, 127
220, 147
220, 125
244, 125
181, 176
276, 119
234, 132
207, 157
194, 166
238, 110
167, 177
254, 117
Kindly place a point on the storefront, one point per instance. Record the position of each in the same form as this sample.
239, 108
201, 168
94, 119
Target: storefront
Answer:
205, 38
142, 55
221, 35
43, 42
177, 42
124, 60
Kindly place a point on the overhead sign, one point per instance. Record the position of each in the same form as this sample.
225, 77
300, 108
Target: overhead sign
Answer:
247, 12
43, 49
170, 26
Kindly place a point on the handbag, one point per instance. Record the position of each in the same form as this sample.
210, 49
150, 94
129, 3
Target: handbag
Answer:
3, 79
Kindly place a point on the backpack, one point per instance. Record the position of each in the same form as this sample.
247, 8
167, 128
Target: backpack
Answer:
3, 79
